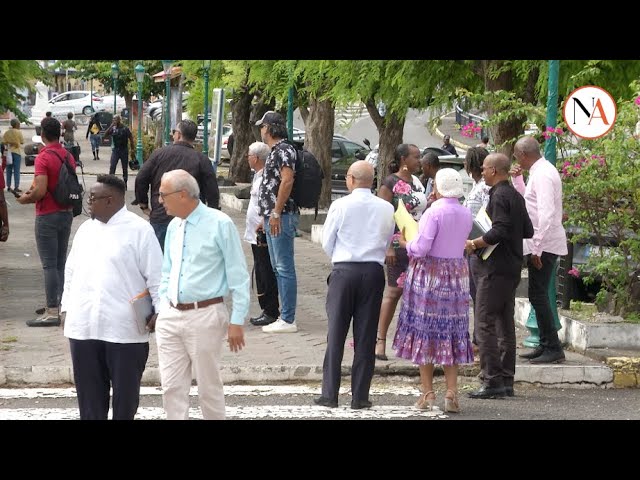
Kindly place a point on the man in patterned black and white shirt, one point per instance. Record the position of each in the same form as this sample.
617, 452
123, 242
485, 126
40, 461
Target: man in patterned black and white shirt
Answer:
280, 215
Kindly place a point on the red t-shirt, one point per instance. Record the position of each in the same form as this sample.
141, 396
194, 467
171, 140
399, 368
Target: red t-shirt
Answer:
47, 163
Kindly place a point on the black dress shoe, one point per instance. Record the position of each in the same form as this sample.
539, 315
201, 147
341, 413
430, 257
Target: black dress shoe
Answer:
262, 320
359, 404
549, 356
325, 402
509, 391
533, 353
489, 392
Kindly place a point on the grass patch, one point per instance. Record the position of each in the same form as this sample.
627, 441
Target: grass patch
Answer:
9, 339
5, 347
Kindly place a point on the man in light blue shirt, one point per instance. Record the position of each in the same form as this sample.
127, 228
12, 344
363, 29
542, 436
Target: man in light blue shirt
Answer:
203, 261
356, 235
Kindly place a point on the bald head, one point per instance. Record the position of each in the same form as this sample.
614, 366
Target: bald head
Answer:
361, 173
500, 162
527, 151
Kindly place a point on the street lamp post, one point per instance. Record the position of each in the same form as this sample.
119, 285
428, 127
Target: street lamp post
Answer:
166, 66
115, 72
139, 78
205, 137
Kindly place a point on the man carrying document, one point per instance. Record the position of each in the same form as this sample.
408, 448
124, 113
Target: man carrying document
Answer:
497, 275
115, 258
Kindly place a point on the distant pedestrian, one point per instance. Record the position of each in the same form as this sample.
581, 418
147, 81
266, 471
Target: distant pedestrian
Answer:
448, 146
497, 278
203, 262
69, 127
356, 235
484, 143
266, 283
121, 135
179, 155
93, 130
543, 197
14, 140
114, 258
53, 221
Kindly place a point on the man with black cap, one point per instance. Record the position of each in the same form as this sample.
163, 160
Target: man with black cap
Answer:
281, 216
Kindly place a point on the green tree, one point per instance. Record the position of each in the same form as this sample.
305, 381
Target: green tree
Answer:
17, 75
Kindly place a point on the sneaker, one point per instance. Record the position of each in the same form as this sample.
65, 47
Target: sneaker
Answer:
50, 318
280, 326
262, 320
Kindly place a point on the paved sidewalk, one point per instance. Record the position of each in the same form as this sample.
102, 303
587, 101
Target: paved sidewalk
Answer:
41, 355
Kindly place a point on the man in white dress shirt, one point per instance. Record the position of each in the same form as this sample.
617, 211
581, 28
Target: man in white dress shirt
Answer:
356, 235
115, 256
266, 283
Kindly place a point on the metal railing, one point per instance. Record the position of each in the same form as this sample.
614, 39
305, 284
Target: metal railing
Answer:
464, 118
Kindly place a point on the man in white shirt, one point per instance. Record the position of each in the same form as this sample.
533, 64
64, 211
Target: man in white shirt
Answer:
266, 283
115, 257
543, 198
356, 235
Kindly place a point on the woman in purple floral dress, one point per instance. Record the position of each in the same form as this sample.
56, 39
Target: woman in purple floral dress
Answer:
433, 326
403, 186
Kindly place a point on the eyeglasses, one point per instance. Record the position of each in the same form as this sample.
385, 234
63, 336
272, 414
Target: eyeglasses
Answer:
93, 198
164, 195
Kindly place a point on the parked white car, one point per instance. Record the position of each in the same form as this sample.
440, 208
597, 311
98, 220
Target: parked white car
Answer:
108, 103
76, 101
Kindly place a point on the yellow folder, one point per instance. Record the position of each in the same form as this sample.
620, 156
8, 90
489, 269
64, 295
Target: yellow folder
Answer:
407, 225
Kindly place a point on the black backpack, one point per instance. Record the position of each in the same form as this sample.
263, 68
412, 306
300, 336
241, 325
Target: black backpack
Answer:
307, 182
68, 191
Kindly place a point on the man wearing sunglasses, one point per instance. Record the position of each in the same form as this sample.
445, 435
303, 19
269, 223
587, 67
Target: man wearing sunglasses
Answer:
114, 258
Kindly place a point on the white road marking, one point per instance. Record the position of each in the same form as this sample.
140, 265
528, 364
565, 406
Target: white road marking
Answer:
239, 413
230, 390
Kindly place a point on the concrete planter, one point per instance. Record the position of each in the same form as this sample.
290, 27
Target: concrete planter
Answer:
582, 335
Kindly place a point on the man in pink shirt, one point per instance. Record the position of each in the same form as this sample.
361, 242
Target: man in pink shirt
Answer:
543, 198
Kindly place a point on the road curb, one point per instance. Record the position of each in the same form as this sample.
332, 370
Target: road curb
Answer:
453, 142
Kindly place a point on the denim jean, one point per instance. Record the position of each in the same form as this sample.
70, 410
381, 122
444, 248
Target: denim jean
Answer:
283, 263
14, 169
95, 141
52, 238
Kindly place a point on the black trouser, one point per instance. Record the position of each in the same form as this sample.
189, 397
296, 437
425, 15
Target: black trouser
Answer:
122, 154
52, 239
539, 297
266, 283
355, 291
496, 331
99, 365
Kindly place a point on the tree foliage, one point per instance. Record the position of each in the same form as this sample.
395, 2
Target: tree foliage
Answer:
17, 75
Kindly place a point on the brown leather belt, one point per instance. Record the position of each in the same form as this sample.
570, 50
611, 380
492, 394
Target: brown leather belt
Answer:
196, 305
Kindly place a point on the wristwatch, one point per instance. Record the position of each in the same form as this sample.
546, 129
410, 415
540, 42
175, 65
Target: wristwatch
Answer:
275, 215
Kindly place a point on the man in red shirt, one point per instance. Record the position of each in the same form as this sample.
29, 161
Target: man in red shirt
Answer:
53, 221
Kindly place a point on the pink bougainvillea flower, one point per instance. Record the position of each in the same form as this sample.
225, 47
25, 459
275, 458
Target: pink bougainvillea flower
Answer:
551, 129
574, 272
559, 131
638, 101
546, 135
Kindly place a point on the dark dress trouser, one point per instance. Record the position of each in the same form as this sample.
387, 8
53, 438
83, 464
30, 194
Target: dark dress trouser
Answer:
539, 281
496, 331
98, 365
266, 282
355, 291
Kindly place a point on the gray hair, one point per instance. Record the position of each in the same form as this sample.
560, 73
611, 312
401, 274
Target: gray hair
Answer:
182, 180
260, 150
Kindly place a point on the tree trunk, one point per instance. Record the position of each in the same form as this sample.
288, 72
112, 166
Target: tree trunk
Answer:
510, 129
390, 129
243, 135
318, 139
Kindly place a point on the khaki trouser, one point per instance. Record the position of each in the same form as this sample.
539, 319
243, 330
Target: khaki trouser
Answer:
192, 339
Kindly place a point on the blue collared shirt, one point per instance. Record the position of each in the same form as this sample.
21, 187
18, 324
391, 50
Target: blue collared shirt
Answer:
212, 262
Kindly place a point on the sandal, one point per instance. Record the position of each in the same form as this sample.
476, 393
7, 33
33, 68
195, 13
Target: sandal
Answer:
451, 404
382, 356
426, 401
